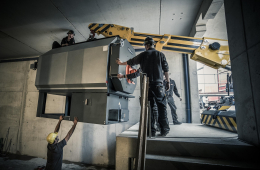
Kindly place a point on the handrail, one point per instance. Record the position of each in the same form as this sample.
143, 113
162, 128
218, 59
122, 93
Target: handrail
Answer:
142, 134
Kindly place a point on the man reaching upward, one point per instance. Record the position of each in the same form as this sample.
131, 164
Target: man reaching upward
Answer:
55, 148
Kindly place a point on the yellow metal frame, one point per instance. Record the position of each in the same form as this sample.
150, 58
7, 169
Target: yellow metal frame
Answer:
197, 47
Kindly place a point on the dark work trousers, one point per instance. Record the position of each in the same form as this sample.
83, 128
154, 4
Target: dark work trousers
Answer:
55, 44
173, 107
155, 114
156, 95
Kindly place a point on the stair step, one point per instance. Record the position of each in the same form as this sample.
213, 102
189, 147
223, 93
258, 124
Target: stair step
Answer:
179, 162
189, 143
227, 148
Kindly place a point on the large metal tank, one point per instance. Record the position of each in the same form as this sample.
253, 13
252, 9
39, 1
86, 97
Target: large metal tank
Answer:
85, 74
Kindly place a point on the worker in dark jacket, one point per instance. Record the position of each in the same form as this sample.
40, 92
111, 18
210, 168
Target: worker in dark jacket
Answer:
55, 148
170, 100
154, 64
69, 40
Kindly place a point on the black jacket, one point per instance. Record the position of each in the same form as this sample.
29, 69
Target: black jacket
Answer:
172, 89
153, 63
65, 41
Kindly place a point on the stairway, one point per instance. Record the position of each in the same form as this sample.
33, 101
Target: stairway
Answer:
189, 146
201, 153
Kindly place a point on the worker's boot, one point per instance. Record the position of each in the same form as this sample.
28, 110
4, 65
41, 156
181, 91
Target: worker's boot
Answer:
153, 134
158, 129
163, 134
177, 122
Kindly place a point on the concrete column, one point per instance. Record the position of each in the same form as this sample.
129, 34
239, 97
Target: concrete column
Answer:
242, 18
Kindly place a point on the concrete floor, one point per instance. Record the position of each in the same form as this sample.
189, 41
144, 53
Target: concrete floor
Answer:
186, 130
23, 162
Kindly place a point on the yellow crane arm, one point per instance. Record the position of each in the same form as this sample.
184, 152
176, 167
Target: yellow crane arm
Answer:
201, 49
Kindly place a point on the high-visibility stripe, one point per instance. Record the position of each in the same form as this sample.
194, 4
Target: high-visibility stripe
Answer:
223, 122
211, 123
144, 35
208, 119
220, 123
183, 42
104, 29
229, 127
216, 124
233, 122
178, 49
99, 26
138, 44
184, 45
95, 26
205, 118
186, 39
194, 38
215, 121
92, 25
184, 50
191, 47
202, 117
135, 39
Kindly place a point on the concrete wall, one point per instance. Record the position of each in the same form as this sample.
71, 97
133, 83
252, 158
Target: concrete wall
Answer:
176, 70
176, 73
13, 80
242, 18
90, 143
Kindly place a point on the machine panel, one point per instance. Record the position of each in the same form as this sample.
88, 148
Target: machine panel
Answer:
84, 73
124, 52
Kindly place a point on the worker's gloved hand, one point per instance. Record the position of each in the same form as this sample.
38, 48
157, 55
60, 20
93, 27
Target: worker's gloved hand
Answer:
167, 87
75, 120
118, 61
61, 118
120, 76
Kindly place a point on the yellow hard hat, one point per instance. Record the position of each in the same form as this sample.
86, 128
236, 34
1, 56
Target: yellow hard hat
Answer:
51, 137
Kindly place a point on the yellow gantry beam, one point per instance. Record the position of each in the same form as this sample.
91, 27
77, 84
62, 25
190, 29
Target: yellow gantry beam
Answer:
197, 47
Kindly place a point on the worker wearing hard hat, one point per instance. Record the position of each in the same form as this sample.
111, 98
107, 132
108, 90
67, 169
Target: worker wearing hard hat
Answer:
69, 40
55, 148
154, 64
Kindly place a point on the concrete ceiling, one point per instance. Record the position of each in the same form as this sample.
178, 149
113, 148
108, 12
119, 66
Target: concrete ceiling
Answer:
29, 27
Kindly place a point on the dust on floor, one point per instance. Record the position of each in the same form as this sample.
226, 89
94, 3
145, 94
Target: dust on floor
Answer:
23, 162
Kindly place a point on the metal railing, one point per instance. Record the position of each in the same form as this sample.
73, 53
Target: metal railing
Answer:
145, 122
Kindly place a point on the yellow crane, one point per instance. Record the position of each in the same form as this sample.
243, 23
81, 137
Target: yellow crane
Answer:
209, 51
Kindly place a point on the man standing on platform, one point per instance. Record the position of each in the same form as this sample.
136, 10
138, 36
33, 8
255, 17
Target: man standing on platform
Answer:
154, 64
